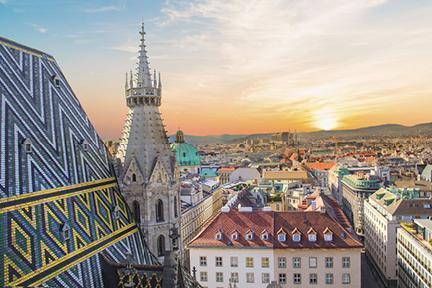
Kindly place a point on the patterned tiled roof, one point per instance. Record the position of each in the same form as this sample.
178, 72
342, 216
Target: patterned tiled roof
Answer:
273, 222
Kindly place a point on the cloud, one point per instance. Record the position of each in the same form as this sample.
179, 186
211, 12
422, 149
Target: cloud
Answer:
101, 9
350, 56
3, 2
39, 28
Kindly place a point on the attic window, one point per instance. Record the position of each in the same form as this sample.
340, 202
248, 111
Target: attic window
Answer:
56, 81
249, 236
296, 236
27, 144
116, 212
281, 237
328, 235
218, 236
65, 232
312, 235
234, 236
264, 235
85, 145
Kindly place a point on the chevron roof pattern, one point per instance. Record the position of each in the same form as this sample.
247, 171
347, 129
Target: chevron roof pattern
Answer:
60, 205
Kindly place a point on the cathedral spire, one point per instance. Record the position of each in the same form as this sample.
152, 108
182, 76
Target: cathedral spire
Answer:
144, 76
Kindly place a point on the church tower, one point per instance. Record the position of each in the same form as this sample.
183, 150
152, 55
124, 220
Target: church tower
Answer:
148, 175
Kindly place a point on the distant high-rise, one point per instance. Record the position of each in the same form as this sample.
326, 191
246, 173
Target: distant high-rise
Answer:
148, 174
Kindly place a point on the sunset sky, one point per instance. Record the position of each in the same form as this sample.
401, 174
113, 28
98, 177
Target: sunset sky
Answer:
241, 66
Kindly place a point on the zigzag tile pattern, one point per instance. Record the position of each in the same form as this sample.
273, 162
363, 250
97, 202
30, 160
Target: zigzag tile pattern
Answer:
38, 106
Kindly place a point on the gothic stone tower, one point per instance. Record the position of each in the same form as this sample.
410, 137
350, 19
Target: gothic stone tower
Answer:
148, 175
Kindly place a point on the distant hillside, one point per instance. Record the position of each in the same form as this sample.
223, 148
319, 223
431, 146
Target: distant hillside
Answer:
387, 130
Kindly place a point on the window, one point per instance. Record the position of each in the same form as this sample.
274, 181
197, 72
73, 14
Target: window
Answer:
203, 261
312, 262
250, 278
234, 277
264, 236
27, 146
159, 211
296, 237
329, 278
65, 232
313, 278
249, 262
134, 177
329, 262
297, 278
312, 237
175, 207
203, 277
282, 278
218, 261
56, 81
234, 261
296, 262
218, 236
265, 277
219, 277
265, 262
137, 211
281, 237
116, 212
346, 278
328, 237
282, 262
234, 236
346, 262
249, 236
161, 245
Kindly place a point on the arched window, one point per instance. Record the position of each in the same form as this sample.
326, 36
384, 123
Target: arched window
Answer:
137, 212
159, 211
133, 177
175, 207
161, 245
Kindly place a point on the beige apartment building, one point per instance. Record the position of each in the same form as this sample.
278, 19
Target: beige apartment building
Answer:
251, 248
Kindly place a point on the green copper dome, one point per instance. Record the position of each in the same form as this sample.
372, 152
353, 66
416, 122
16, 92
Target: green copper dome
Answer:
186, 154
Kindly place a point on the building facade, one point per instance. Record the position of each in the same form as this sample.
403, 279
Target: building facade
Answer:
355, 189
148, 175
252, 248
414, 254
383, 212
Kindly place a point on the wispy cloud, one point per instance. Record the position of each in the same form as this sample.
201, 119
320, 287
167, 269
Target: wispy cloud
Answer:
101, 9
39, 28
3, 2
330, 55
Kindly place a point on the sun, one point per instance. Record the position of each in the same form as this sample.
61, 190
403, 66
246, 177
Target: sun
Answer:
325, 119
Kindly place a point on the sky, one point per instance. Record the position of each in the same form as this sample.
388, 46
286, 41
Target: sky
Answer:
241, 66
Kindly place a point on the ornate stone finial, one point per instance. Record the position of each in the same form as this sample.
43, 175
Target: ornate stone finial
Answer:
154, 79
131, 79
160, 82
126, 82
144, 78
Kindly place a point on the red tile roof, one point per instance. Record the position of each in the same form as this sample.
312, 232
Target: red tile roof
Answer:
320, 165
273, 222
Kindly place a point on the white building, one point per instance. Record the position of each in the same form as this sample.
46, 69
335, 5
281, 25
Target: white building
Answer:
383, 212
296, 249
414, 254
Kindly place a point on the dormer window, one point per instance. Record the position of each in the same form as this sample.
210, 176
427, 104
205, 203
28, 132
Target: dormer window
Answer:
281, 237
328, 235
264, 235
235, 236
84, 145
296, 236
56, 81
249, 235
65, 232
116, 212
312, 235
27, 144
219, 236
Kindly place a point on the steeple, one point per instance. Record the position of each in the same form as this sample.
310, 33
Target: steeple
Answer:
144, 76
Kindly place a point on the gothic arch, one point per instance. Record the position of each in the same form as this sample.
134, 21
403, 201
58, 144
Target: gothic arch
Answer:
159, 211
161, 245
